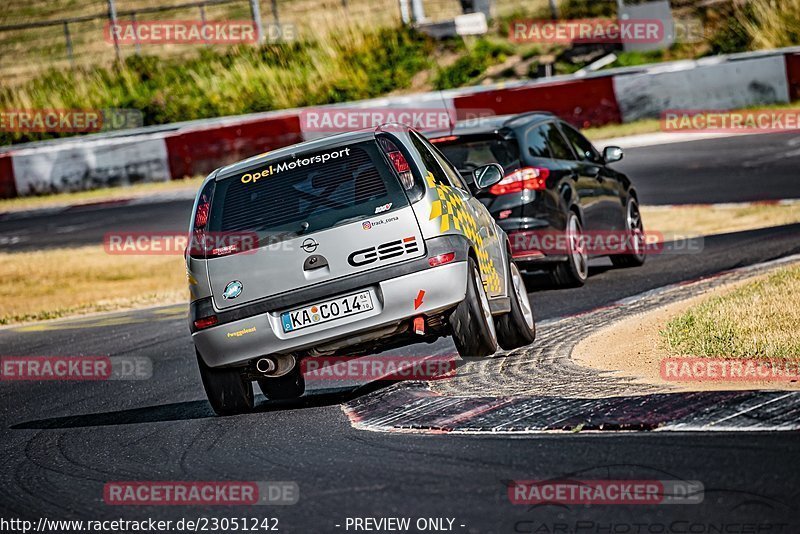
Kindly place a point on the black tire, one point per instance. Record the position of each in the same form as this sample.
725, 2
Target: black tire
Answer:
516, 328
635, 228
471, 322
575, 270
227, 391
289, 386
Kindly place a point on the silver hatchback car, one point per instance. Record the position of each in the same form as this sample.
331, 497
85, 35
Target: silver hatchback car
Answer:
351, 244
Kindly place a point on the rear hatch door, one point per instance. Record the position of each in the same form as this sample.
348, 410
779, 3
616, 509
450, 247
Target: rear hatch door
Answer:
317, 216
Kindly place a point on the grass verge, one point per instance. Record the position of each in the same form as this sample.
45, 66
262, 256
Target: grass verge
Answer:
756, 320
66, 282
689, 221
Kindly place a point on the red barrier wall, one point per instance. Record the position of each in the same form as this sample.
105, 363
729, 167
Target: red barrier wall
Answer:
200, 151
589, 102
793, 76
8, 187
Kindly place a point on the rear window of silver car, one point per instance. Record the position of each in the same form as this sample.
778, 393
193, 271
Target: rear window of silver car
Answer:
306, 194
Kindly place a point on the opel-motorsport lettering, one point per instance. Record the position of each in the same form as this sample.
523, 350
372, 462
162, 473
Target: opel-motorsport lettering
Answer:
392, 249
291, 165
346, 281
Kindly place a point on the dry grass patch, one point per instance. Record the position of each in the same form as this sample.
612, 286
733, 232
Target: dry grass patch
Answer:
756, 320
58, 283
708, 220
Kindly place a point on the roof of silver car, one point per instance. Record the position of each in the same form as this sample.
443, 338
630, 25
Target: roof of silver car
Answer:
292, 151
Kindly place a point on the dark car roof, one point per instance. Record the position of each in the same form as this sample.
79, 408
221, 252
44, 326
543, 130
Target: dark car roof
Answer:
492, 124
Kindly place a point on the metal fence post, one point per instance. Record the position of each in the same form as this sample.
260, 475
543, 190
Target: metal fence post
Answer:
112, 16
418, 10
275, 11
136, 34
68, 38
553, 9
255, 11
404, 14
203, 22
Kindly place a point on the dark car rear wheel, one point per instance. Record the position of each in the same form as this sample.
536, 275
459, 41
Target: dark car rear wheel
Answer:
575, 270
472, 324
227, 391
634, 244
516, 328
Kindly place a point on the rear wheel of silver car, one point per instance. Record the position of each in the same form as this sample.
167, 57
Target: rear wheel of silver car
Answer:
635, 240
472, 324
575, 270
516, 328
227, 391
289, 386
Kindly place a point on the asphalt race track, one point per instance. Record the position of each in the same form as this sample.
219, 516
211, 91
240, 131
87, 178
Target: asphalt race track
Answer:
61, 442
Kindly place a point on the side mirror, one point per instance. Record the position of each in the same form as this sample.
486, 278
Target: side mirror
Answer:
612, 154
488, 175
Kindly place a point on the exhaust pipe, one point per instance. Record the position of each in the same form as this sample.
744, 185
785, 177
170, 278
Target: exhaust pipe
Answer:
274, 365
266, 366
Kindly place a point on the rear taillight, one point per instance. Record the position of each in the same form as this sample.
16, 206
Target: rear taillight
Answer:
441, 259
202, 212
205, 322
201, 216
526, 178
399, 162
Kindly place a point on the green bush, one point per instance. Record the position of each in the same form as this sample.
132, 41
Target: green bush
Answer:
244, 79
470, 66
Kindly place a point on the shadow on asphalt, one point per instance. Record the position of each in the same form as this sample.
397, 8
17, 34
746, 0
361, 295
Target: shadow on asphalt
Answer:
541, 281
200, 409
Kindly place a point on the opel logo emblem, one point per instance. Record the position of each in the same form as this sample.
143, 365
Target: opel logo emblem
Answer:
309, 245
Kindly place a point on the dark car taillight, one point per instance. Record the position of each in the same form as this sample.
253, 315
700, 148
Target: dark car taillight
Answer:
526, 178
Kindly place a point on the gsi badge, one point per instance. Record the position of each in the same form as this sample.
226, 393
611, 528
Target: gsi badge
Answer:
391, 249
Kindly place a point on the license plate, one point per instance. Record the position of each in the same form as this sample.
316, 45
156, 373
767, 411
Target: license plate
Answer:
326, 311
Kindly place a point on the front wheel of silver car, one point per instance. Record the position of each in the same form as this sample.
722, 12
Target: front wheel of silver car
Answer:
227, 391
516, 328
471, 322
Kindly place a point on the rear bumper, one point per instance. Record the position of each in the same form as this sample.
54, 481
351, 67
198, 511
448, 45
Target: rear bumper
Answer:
239, 341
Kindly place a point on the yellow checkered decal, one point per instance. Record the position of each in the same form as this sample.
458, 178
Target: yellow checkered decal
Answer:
450, 210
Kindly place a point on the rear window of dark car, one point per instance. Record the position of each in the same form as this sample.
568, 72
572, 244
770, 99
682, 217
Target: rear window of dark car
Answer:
468, 153
311, 192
